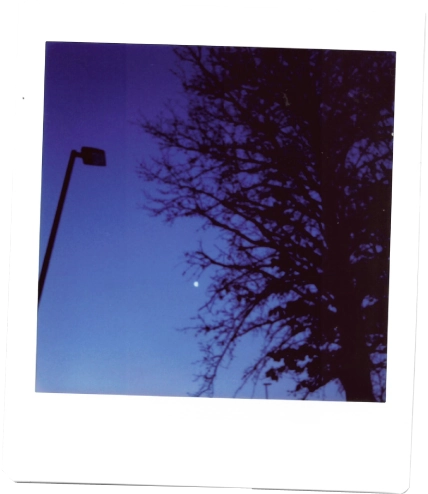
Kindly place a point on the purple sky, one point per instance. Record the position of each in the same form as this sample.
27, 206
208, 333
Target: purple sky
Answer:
115, 292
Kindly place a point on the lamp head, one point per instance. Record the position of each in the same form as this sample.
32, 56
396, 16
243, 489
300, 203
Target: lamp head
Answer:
93, 156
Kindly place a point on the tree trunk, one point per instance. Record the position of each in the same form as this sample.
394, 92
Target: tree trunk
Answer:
354, 365
354, 370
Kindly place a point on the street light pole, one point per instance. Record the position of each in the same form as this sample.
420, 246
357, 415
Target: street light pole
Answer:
90, 156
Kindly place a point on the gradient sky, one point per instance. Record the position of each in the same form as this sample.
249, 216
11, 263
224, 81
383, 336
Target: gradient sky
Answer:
115, 293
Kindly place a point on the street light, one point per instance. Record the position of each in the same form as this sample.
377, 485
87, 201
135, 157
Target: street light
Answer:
90, 156
266, 389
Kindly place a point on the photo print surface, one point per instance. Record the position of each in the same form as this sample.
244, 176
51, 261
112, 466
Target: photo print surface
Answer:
236, 242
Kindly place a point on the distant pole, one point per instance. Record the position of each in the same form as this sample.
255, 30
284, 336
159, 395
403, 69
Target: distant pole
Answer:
90, 156
266, 389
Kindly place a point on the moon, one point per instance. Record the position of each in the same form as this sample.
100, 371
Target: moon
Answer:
196, 284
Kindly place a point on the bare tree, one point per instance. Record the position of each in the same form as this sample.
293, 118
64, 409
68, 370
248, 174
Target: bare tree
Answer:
287, 153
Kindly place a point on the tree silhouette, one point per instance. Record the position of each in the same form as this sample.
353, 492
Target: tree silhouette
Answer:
288, 154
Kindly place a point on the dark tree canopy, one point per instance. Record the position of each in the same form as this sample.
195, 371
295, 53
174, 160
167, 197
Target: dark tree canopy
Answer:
288, 153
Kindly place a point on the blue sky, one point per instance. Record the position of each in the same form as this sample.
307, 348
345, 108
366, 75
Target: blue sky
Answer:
115, 293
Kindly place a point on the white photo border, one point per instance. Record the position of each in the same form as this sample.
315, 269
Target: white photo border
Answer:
199, 441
